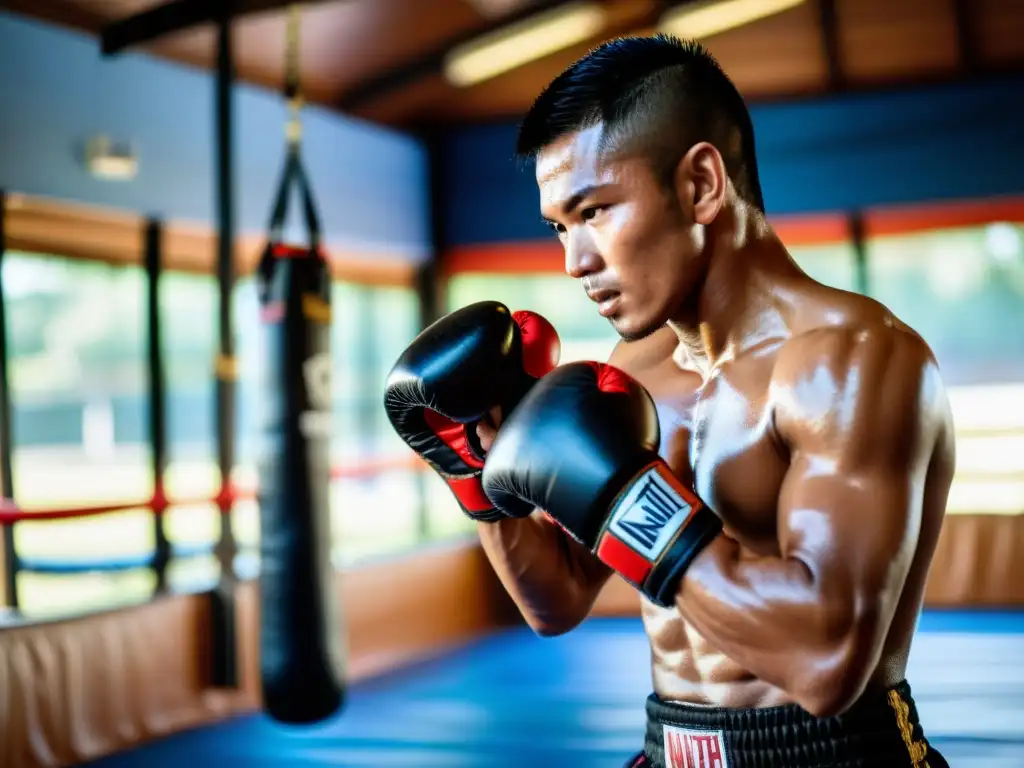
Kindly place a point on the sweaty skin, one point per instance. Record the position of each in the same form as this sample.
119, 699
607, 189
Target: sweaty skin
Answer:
810, 419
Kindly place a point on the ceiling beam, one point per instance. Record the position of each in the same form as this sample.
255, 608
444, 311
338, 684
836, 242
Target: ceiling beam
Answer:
427, 64
175, 16
828, 20
431, 63
58, 12
966, 39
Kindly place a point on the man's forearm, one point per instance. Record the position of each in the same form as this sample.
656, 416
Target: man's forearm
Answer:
772, 616
551, 578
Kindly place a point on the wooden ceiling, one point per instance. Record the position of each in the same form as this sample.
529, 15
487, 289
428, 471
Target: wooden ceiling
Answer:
380, 59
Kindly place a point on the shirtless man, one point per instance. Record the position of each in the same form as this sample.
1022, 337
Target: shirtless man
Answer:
798, 436
810, 425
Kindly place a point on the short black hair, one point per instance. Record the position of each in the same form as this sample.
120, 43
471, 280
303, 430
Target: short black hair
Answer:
659, 93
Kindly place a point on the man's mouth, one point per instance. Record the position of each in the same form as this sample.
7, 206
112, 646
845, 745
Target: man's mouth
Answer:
607, 301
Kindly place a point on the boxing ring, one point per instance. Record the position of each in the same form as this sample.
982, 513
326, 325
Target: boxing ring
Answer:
514, 699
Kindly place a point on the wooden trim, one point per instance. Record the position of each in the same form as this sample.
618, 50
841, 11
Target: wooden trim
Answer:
905, 220
517, 258
42, 225
824, 229
547, 257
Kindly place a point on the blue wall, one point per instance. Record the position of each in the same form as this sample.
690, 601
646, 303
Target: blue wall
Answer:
57, 91
936, 143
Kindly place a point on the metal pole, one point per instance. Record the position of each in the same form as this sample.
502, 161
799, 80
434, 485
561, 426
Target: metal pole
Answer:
157, 401
225, 671
10, 555
227, 367
862, 278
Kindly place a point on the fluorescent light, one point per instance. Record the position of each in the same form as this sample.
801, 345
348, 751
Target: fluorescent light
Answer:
109, 160
491, 55
113, 168
704, 19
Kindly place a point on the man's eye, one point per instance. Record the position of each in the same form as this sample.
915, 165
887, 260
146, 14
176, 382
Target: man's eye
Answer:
589, 213
557, 228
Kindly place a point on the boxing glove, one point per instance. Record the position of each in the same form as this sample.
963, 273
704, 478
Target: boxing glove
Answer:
582, 446
452, 374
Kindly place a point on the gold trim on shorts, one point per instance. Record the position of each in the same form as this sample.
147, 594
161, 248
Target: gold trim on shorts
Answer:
917, 750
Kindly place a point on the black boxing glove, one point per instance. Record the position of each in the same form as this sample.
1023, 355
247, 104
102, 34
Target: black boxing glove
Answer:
456, 371
582, 446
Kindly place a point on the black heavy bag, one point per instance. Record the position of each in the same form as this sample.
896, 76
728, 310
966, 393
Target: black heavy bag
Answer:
302, 648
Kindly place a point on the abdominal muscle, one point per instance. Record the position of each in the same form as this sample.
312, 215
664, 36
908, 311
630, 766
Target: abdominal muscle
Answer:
687, 669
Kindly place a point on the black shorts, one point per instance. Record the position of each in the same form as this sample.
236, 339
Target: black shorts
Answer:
881, 731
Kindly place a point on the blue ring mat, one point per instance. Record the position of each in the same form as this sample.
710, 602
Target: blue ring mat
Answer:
514, 699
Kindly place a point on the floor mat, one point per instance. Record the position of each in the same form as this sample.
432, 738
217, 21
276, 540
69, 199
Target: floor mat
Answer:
515, 699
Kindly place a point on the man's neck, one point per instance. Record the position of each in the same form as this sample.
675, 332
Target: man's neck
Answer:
736, 306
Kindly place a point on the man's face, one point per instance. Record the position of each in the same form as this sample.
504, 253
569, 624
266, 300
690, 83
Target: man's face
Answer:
626, 236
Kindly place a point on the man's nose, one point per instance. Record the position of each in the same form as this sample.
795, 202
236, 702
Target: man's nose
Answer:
581, 258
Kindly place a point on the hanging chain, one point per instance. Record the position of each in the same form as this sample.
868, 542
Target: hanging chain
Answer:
293, 73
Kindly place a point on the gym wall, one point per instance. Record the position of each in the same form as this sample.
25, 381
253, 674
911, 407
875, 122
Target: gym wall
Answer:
58, 91
938, 143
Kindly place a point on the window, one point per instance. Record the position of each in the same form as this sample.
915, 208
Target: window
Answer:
76, 346
189, 305
77, 341
832, 264
963, 291
378, 499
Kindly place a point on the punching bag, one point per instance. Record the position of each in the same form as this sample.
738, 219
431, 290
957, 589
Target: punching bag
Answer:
302, 647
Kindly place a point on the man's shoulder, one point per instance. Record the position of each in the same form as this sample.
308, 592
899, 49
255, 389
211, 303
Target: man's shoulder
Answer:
842, 349
834, 378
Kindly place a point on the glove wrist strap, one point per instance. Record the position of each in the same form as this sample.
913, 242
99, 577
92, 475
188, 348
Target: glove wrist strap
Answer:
656, 528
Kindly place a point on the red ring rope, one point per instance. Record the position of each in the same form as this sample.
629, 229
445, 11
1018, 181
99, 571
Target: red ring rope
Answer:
11, 513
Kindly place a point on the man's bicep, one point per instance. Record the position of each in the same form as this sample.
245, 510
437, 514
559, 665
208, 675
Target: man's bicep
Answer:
856, 532
860, 443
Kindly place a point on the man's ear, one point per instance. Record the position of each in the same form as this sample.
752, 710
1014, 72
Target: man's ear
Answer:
702, 182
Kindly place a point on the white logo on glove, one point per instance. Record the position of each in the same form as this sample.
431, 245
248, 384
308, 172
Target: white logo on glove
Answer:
649, 515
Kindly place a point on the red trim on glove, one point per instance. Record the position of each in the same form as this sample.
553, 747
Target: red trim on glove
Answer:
470, 493
541, 345
631, 565
611, 379
452, 434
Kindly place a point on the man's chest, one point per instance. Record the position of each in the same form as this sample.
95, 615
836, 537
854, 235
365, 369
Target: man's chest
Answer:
719, 439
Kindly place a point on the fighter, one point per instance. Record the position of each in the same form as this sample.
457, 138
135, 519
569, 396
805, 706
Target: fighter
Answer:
805, 431
766, 459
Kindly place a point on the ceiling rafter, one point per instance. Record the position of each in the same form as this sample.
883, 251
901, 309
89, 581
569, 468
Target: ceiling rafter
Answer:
431, 63
828, 21
966, 37
384, 60
166, 18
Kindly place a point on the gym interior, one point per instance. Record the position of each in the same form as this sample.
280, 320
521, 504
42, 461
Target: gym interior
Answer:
144, 150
